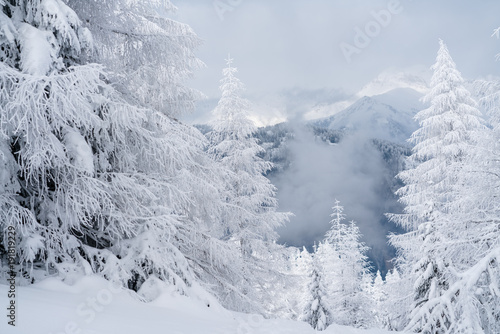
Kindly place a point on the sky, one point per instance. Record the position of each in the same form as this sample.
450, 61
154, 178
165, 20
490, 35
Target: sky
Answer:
284, 45
294, 54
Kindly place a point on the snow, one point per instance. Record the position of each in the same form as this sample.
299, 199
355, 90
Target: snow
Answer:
388, 116
93, 305
79, 151
37, 48
7, 29
415, 78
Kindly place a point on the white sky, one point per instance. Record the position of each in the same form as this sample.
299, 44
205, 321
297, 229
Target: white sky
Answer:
283, 44
288, 55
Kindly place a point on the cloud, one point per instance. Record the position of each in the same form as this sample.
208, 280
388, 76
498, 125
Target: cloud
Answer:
282, 44
351, 171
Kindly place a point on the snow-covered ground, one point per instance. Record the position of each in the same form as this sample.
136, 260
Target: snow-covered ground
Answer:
94, 306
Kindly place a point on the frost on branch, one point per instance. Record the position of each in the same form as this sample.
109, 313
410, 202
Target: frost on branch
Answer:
449, 211
150, 55
91, 182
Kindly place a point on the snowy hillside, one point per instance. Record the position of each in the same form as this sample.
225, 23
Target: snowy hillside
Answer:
94, 306
388, 116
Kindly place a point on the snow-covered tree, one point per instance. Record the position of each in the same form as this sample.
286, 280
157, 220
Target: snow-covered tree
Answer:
378, 297
49, 104
448, 136
250, 215
303, 265
296, 291
149, 54
394, 311
345, 268
317, 309
91, 182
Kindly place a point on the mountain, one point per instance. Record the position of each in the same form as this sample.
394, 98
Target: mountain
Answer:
353, 155
414, 78
388, 116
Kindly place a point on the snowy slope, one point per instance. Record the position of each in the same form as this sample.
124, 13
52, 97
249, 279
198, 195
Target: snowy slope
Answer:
94, 306
388, 116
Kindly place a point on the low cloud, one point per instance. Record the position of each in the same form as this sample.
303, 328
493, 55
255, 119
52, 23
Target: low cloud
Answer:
351, 171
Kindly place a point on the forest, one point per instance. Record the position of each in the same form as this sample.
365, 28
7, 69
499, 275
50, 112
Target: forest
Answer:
100, 177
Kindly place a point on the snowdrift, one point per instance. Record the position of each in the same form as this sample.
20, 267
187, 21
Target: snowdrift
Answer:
94, 306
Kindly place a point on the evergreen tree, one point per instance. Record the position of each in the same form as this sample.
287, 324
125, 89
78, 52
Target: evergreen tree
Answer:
302, 269
317, 311
345, 265
250, 215
91, 182
149, 54
378, 298
443, 144
395, 306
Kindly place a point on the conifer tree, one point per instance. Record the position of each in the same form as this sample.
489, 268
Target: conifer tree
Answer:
345, 268
91, 182
149, 54
443, 146
317, 310
296, 290
250, 215
395, 306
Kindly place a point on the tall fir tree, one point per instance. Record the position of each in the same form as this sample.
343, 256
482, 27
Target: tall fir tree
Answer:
91, 182
447, 136
345, 268
149, 54
301, 269
250, 217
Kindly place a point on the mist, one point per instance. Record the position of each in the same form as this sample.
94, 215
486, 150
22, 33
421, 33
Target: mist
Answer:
351, 171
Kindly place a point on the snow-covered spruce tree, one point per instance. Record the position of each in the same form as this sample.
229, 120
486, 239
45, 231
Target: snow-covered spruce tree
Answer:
287, 289
90, 182
396, 290
378, 297
250, 217
476, 291
345, 267
49, 191
301, 269
149, 54
476, 217
443, 145
317, 309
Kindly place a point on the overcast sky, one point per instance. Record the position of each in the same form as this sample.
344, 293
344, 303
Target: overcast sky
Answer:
289, 55
283, 44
